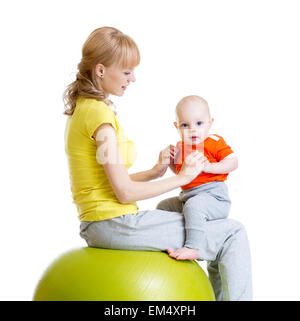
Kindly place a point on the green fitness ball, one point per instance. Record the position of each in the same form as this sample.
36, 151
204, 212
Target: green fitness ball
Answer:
91, 274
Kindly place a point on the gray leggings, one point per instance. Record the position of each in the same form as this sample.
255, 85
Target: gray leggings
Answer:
225, 247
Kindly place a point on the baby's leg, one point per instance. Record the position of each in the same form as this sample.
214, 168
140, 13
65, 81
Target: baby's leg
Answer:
219, 206
176, 205
197, 211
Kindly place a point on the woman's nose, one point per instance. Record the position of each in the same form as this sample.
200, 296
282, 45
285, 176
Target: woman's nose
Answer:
132, 78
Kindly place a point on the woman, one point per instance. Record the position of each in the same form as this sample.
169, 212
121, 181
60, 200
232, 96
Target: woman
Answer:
99, 155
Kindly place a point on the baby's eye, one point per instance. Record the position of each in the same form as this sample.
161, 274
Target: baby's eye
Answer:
199, 123
127, 73
184, 125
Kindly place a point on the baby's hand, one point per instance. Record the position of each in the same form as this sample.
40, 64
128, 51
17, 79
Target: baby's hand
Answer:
166, 157
207, 165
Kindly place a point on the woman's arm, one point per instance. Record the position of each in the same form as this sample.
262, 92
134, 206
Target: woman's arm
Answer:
165, 159
144, 176
128, 190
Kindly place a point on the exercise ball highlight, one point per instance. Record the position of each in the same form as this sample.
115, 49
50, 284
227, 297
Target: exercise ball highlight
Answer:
92, 274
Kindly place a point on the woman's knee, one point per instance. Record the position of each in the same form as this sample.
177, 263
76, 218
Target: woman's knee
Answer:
238, 225
238, 232
233, 226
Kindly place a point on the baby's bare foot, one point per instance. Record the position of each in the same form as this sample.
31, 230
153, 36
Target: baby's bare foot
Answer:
185, 253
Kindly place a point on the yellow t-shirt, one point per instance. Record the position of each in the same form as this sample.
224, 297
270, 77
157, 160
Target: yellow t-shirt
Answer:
91, 189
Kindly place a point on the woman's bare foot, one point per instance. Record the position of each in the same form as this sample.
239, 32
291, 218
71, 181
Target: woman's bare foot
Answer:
185, 253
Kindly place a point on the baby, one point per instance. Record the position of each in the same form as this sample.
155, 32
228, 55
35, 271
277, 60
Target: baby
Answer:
206, 197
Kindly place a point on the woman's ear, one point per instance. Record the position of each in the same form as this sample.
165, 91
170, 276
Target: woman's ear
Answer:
175, 124
99, 70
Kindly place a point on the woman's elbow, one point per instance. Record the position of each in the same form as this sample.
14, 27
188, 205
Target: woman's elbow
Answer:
124, 197
123, 200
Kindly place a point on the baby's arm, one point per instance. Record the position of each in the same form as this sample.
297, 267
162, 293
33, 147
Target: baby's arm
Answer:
226, 165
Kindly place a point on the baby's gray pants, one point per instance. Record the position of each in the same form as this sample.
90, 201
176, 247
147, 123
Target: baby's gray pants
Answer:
203, 203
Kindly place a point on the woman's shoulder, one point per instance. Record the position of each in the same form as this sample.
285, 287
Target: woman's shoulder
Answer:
90, 108
91, 103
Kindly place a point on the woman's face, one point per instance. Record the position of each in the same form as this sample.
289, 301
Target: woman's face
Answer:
115, 80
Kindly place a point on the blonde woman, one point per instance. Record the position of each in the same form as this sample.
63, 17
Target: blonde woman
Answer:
105, 194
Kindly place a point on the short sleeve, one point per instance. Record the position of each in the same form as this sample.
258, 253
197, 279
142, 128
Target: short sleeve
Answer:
222, 149
97, 115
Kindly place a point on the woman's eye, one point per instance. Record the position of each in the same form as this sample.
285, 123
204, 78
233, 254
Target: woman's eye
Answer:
127, 73
184, 125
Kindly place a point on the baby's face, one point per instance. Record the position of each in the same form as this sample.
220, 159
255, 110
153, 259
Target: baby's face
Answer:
193, 122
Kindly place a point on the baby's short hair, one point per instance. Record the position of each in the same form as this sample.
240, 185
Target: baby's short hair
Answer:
192, 98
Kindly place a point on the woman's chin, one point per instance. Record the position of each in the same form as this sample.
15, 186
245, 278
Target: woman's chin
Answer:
117, 94
120, 93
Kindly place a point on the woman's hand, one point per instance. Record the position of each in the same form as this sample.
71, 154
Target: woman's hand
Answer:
166, 157
192, 166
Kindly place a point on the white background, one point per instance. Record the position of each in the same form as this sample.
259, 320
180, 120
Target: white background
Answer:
241, 56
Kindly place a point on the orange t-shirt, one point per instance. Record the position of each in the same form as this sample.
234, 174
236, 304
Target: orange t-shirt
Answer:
214, 149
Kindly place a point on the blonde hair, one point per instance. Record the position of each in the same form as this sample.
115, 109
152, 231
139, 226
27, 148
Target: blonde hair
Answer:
105, 45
